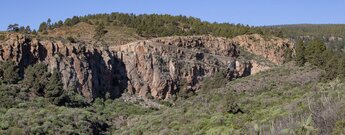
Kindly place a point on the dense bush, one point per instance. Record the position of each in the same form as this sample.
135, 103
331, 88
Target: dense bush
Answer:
35, 78
40, 117
12, 95
218, 80
9, 72
54, 89
99, 31
316, 53
312, 30
71, 39
38, 104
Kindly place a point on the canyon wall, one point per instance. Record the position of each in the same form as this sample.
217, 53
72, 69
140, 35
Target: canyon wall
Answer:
158, 67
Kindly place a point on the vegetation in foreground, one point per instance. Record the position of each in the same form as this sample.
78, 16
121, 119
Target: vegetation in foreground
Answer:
285, 100
272, 102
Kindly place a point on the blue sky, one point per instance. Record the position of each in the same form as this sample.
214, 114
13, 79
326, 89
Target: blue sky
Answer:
252, 12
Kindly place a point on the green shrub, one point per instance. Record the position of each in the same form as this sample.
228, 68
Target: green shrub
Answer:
9, 72
35, 78
216, 81
72, 99
2, 37
42, 83
16, 131
99, 31
71, 39
339, 128
12, 95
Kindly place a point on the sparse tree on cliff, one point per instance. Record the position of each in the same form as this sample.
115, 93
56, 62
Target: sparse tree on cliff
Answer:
43, 28
27, 29
100, 31
13, 27
49, 21
59, 24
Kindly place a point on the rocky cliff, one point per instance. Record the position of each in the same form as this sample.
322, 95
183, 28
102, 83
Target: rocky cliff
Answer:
271, 48
158, 67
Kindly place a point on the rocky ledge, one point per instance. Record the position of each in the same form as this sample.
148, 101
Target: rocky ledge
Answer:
156, 68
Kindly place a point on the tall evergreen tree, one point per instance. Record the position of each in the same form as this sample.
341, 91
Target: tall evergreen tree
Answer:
36, 78
59, 24
300, 53
99, 31
330, 67
27, 29
314, 52
43, 27
13, 27
49, 21
10, 72
54, 88
341, 68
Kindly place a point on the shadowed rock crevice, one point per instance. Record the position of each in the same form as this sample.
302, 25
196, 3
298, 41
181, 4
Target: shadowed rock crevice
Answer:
109, 78
248, 69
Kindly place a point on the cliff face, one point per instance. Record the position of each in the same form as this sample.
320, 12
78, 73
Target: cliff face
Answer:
272, 48
158, 67
94, 72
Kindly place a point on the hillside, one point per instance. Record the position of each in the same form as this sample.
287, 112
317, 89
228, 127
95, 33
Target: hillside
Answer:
116, 35
315, 30
154, 25
332, 34
277, 101
160, 74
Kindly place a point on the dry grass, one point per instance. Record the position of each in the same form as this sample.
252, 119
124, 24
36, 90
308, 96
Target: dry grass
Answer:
280, 76
115, 35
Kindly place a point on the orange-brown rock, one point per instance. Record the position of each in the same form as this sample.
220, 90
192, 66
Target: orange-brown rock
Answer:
271, 48
162, 66
94, 72
158, 67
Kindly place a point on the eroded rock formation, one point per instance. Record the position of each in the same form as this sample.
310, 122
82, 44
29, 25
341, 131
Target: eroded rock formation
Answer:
271, 48
94, 72
158, 67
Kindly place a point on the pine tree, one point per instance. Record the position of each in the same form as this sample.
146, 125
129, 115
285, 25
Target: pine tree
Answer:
10, 72
314, 52
288, 55
59, 24
36, 78
43, 27
27, 29
99, 31
13, 27
341, 68
300, 53
330, 67
54, 89
49, 21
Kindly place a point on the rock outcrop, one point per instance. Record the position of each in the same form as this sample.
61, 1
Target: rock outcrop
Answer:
93, 72
158, 67
271, 48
